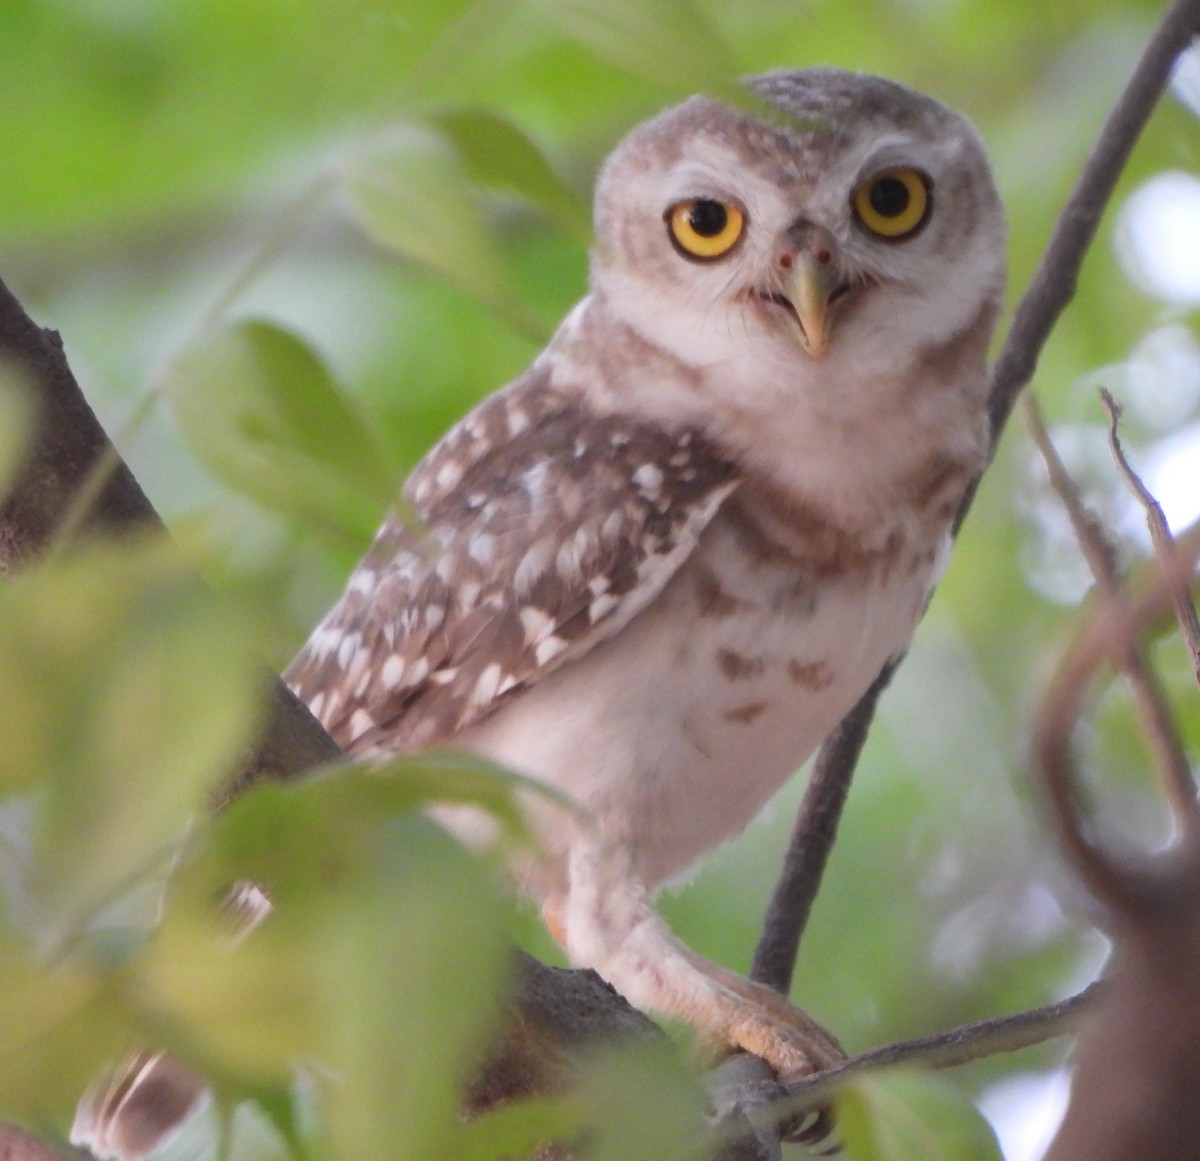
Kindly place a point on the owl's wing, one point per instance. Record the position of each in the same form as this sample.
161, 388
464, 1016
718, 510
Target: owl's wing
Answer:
546, 528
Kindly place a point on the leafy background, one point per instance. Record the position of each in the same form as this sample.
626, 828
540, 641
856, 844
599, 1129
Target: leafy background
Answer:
383, 208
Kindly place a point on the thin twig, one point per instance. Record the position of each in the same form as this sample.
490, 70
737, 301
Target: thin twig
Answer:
958, 1046
1149, 698
812, 842
1053, 285
1098, 550
1161, 538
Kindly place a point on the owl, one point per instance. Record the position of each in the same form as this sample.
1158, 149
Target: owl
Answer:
656, 570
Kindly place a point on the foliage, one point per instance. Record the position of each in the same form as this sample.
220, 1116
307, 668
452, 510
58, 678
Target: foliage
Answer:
385, 204
897, 1115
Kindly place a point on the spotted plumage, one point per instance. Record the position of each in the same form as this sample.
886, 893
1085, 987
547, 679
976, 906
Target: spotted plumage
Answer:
544, 529
656, 570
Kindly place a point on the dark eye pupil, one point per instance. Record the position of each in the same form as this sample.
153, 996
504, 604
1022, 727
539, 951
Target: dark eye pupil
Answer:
889, 197
708, 219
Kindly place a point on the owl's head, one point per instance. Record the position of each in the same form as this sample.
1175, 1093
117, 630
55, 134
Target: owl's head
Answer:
846, 212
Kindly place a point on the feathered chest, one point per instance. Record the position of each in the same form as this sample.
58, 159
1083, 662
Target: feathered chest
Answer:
674, 732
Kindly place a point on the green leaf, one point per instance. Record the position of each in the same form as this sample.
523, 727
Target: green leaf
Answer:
450, 776
420, 970
641, 1101
127, 692
516, 1130
16, 423
413, 197
670, 42
380, 963
264, 414
498, 153
899, 1115
58, 1025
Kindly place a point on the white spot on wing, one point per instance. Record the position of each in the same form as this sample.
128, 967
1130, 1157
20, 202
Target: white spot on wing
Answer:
649, 479
549, 649
360, 723
363, 581
347, 648
535, 623
482, 547
488, 684
534, 563
392, 672
449, 474
602, 605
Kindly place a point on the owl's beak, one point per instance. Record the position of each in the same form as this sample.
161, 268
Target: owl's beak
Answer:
810, 285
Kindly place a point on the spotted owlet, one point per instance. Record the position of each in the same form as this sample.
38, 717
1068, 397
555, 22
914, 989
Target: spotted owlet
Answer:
659, 567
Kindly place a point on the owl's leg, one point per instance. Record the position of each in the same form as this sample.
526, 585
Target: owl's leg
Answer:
607, 923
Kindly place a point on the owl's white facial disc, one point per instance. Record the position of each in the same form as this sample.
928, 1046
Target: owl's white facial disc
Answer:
856, 217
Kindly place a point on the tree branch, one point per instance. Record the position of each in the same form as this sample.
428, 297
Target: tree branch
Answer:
949, 1049
1150, 699
1164, 544
1053, 285
1136, 1087
68, 453
554, 1013
813, 836
1121, 889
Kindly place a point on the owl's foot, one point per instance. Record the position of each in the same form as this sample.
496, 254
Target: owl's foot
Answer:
749, 1016
606, 922
764, 1023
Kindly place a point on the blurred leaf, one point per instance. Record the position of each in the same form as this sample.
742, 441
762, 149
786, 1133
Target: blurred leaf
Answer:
450, 776
413, 198
263, 413
374, 906
16, 423
403, 1063
516, 1130
129, 691
901, 1115
670, 42
57, 1025
498, 153
641, 1101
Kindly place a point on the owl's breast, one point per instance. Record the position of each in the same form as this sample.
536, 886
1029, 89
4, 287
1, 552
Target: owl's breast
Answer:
676, 731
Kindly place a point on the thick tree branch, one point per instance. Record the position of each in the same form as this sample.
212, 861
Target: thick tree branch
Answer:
68, 452
67, 445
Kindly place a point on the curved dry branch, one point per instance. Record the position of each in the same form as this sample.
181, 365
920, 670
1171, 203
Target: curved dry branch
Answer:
1163, 541
1149, 697
1100, 640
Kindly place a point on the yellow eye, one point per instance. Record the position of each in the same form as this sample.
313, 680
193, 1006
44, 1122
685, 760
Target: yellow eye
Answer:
893, 203
705, 229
